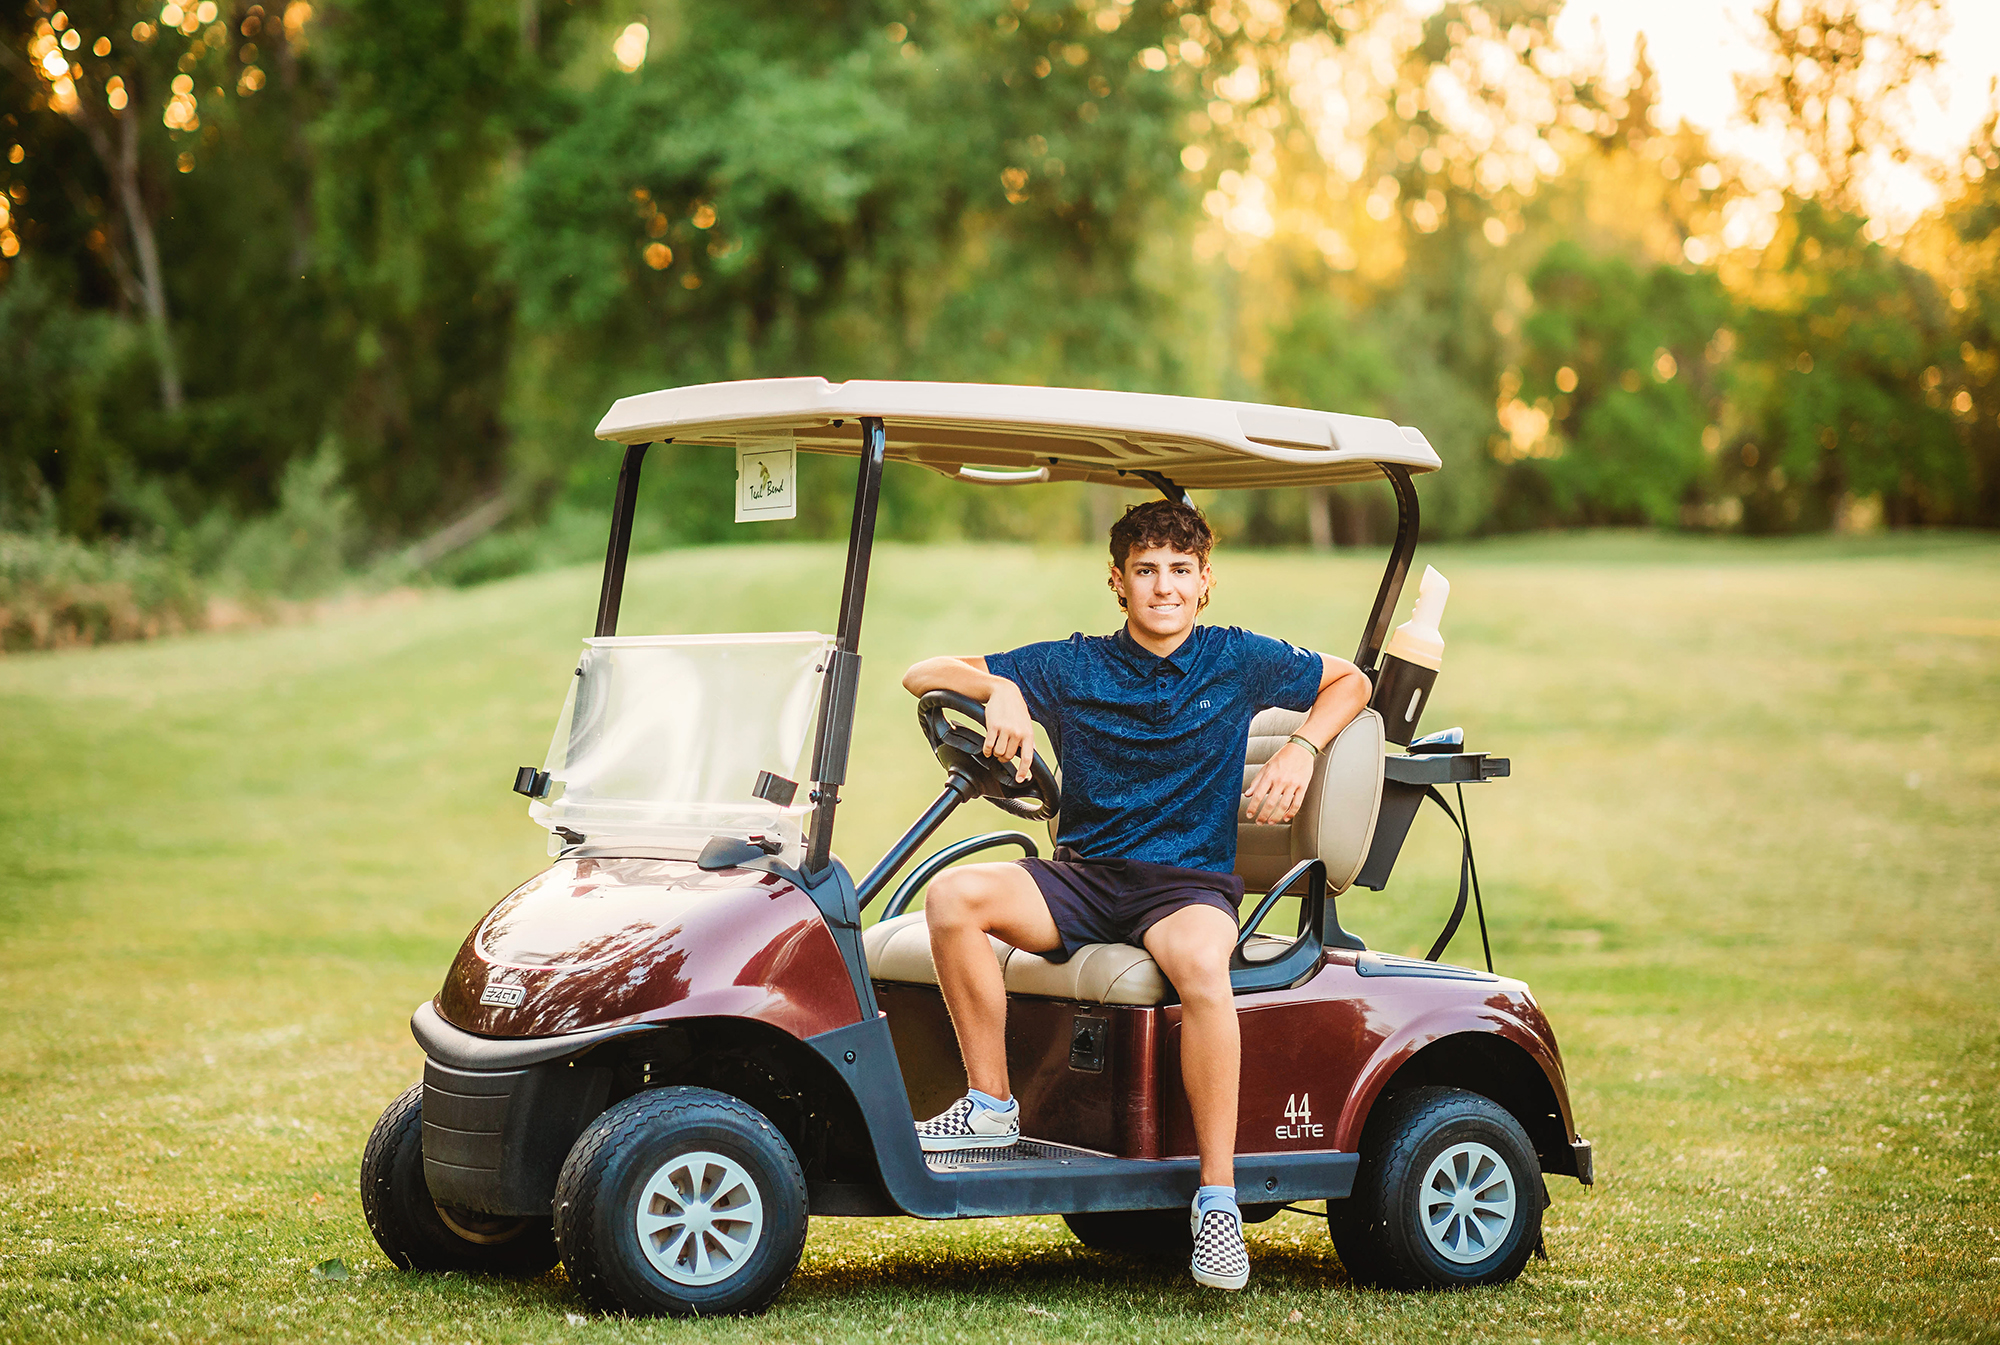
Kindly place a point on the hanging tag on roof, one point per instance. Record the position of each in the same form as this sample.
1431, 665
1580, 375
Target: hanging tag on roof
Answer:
767, 478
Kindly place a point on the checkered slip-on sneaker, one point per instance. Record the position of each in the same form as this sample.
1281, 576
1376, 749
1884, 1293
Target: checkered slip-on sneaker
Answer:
1220, 1261
966, 1124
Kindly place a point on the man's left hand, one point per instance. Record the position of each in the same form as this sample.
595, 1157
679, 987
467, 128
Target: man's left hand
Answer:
1279, 789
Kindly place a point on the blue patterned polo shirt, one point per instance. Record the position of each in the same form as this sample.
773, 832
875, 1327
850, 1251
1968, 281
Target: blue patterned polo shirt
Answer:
1152, 748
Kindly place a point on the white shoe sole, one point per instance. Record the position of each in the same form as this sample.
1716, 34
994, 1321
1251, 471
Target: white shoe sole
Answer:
947, 1144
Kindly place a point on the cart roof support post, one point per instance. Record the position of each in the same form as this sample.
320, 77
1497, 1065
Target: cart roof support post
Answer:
1377, 629
621, 539
836, 706
1160, 481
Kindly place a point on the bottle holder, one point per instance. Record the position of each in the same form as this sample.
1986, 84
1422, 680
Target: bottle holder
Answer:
1401, 691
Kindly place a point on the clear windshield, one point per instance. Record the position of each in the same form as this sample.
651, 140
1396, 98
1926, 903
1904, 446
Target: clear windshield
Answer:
661, 739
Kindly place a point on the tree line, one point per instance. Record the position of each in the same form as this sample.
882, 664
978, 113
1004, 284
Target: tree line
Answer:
395, 259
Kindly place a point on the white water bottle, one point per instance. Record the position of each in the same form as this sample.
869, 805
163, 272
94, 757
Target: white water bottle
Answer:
1411, 660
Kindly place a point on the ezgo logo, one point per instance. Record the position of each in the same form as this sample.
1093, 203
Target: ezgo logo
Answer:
1299, 1120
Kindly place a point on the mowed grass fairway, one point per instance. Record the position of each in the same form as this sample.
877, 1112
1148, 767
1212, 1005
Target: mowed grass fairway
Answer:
1748, 859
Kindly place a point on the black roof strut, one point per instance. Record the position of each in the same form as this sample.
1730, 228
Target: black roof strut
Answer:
836, 706
621, 538
1158, 481
1377, 630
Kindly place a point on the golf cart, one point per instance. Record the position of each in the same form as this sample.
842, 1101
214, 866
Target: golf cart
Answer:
662, 1053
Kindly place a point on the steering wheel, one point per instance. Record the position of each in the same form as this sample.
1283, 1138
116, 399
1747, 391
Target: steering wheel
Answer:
959, 751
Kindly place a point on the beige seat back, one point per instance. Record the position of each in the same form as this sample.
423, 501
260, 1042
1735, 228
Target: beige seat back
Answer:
1337, 819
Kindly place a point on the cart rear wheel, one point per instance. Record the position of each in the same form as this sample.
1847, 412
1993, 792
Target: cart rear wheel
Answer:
1146, 1233
419, 1234
681, 1201
1449, 1195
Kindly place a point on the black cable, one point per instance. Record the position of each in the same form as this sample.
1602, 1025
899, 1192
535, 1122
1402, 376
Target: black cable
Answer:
1457, 915
1478, 905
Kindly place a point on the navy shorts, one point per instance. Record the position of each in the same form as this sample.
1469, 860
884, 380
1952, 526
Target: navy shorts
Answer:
1118, 900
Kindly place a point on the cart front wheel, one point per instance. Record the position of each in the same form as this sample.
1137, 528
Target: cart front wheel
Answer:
681, 1201
419, 1234
1449, 1195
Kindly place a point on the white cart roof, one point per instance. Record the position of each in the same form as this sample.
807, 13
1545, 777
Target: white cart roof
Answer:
1020, 434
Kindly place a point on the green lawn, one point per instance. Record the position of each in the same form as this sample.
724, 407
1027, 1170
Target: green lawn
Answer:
1748, 858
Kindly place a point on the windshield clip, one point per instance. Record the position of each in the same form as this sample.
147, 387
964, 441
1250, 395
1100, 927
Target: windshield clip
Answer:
774, 788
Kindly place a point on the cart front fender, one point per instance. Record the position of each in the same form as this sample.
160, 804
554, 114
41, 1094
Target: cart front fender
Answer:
603, 943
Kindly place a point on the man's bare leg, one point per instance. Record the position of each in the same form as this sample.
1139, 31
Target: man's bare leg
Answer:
1192, 947
962, 907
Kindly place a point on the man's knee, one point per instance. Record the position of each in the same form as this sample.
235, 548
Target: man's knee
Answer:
1197, 961
955, 900
1204, 979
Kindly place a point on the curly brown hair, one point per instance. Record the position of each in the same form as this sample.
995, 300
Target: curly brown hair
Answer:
1179, 527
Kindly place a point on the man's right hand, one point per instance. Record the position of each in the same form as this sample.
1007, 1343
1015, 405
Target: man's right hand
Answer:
1010, 733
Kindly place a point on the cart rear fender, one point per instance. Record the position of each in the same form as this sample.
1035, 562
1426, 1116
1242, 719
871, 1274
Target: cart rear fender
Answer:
1494, 1049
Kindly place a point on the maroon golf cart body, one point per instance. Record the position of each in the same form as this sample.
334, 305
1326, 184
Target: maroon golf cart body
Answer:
742, 967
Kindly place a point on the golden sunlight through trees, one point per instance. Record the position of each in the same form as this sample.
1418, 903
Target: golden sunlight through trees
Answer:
629, 47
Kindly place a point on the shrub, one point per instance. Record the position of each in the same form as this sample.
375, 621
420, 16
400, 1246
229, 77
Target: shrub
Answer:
55, 591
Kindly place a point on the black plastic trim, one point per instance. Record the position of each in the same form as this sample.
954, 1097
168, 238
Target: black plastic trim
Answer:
863, 1200
1307, 951
734, 852
832, 891
459, 1049
494, 1140
1445, 768
864, 1057
843, 679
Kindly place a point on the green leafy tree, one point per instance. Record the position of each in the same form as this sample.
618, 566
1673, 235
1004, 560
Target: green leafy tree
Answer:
426, 107
1618, 386
1855, 343
967, 190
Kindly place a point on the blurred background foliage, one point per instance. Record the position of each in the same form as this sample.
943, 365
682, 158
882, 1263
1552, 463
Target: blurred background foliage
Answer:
300, 291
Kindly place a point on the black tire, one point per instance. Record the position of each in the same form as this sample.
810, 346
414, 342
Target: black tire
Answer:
1149, 1234
1380, 1229
417, 1233
637, 1144
1356, 1243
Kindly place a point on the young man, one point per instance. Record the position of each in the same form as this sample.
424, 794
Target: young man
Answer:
1151, 724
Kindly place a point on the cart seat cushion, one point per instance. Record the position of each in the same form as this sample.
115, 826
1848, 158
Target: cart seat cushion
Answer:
899, 949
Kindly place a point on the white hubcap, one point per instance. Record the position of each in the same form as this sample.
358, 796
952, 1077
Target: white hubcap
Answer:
700, 1218
1467, 1205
